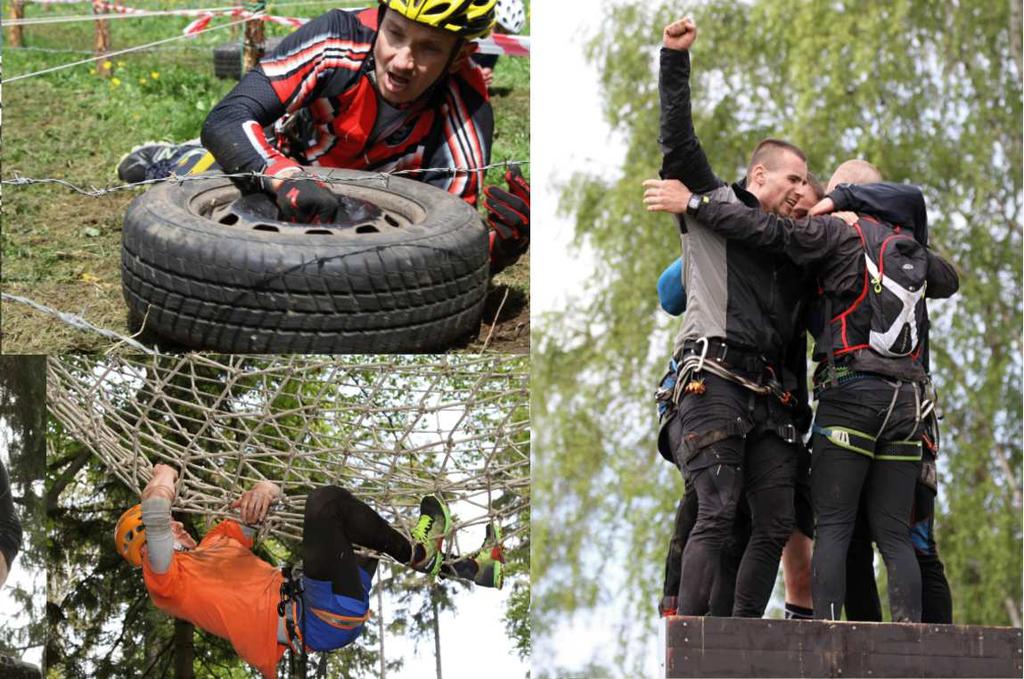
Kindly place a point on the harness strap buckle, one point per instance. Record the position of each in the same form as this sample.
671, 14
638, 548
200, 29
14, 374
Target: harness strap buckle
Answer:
787, 432
723, 351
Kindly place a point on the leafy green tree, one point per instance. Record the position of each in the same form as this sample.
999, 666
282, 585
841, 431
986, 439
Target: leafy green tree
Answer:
23, 425
931, 93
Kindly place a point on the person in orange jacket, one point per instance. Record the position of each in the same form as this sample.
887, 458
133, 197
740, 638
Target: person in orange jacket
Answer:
221, 586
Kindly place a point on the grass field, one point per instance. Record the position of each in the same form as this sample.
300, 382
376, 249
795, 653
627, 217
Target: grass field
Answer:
62, 249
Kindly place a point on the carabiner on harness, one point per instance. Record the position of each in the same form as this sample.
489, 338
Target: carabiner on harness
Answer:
291, 593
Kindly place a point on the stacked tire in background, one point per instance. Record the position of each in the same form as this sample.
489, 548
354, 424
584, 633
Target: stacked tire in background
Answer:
227, 58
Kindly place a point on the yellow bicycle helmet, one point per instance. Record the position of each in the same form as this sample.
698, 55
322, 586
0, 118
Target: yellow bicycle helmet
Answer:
130, 535
469, 19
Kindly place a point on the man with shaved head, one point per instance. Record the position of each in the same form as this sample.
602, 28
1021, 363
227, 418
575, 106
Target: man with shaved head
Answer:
870, 378
854, 171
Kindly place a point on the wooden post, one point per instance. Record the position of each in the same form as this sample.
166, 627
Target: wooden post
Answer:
434, 596
380, 622
101, 45
234, 26
253, 48
17, 12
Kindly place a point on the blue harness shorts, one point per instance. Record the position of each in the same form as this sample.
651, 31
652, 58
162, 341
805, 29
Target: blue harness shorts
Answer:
332, 621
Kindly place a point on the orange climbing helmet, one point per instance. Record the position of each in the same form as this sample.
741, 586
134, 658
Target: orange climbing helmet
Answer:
130, 535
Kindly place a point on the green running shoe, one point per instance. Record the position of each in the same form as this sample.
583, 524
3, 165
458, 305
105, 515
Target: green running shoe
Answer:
435, 522
490, 560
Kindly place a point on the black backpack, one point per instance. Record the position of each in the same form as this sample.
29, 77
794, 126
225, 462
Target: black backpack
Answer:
888, 316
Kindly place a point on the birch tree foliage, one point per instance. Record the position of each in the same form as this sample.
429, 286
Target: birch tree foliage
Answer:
929, 92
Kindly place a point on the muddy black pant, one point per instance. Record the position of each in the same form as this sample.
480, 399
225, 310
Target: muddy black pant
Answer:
855, 428
334, 522
730, 456
724, 589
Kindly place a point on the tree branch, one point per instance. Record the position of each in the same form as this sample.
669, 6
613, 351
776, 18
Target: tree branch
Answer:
1004, 464
64, 479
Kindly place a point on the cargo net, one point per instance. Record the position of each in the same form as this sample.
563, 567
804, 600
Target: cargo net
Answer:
389, 429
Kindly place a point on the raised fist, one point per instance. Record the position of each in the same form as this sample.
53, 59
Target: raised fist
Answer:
679, 35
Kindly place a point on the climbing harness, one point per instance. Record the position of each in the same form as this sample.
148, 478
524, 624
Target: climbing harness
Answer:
711, 355
289, 608
873, 446
866, 444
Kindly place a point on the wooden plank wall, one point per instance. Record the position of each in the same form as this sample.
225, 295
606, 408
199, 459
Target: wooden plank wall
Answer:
744, 647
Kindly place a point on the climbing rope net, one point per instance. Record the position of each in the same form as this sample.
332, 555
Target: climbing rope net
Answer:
388, 428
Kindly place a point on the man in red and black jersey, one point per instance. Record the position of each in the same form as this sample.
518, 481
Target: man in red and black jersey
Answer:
340, 94
386, 90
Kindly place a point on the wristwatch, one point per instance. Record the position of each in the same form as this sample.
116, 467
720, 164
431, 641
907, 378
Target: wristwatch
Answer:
693, 205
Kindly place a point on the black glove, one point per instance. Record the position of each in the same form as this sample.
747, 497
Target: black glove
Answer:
306, 201
508, 216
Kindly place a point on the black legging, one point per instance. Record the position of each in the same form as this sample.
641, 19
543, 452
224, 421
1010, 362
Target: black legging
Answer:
334, 521
838, 477
862, 601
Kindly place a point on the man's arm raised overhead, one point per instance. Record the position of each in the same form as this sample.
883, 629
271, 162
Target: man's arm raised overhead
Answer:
684, 159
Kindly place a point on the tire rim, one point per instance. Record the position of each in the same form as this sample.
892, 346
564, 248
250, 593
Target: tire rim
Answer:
375, 212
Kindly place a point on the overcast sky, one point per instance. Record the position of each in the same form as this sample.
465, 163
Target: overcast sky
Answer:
568, 133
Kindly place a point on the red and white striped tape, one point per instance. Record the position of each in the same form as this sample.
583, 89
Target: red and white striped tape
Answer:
509, 45
205, 18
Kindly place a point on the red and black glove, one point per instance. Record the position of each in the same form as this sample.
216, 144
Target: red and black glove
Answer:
508, 216
668, 606
306, 201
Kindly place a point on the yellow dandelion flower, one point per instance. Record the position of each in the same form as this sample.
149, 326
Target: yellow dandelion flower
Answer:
154, 75
115, 81
107, 64
142, 81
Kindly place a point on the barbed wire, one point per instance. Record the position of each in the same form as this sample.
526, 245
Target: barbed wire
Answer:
306, 173
79, 323
128, 50
70, 50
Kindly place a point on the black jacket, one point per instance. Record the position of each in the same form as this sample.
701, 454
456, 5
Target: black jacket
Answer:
752, 300
831, 248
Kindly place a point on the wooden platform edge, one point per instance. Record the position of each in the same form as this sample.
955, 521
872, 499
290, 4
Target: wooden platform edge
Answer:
746, 647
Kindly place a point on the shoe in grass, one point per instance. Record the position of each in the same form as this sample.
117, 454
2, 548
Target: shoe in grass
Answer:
428, 535
157, 160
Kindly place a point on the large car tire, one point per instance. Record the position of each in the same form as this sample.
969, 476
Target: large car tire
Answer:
201, 277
